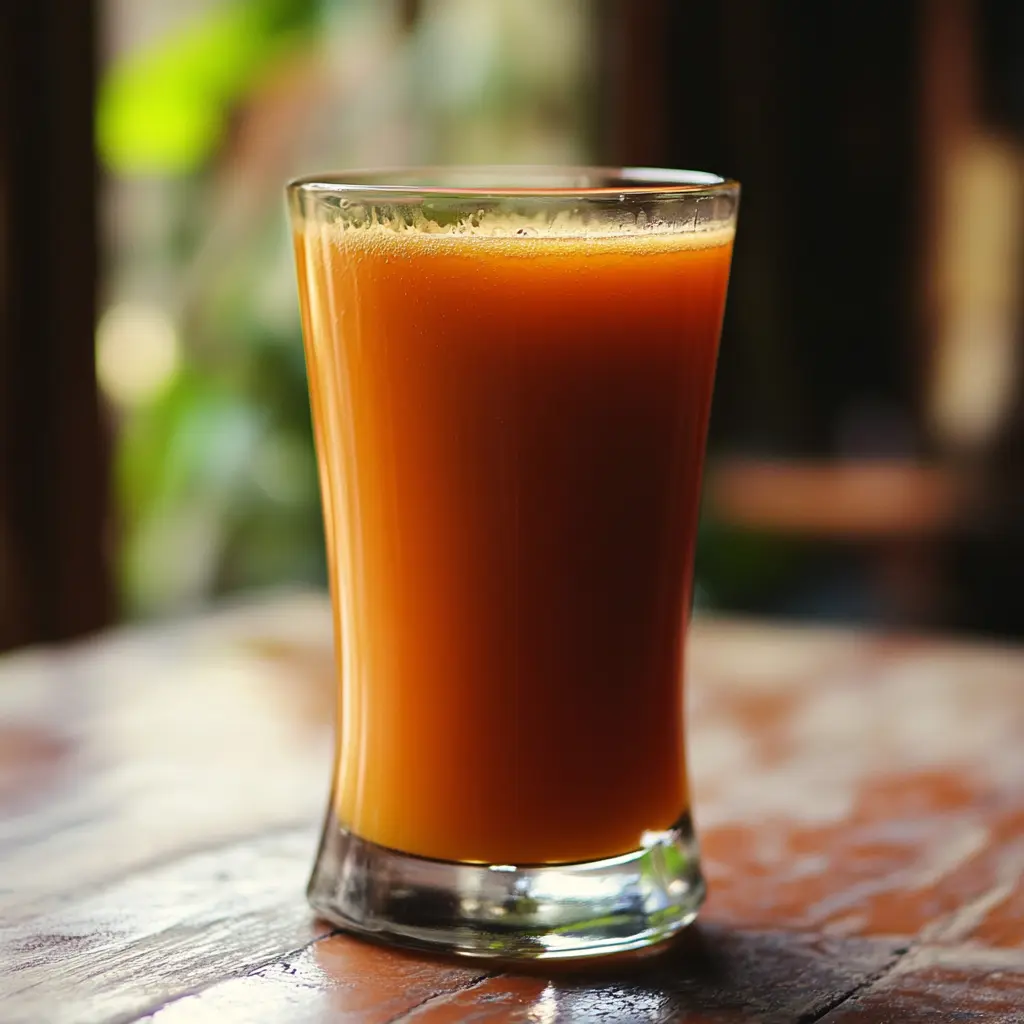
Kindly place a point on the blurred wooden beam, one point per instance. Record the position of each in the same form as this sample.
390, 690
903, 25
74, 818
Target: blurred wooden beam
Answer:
948, 110
858, 500
54, 580
632, 116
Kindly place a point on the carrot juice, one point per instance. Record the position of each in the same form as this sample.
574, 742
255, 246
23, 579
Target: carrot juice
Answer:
510, 427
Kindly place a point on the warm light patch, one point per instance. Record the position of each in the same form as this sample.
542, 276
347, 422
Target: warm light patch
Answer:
137, 352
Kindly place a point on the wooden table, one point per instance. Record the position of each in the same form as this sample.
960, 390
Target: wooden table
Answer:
860, 799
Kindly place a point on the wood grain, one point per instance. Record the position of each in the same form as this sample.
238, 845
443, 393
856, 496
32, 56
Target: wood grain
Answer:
152, 743
961, 983
712, 976
860, 800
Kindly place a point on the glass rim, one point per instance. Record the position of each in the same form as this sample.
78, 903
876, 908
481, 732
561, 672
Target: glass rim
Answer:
615, 183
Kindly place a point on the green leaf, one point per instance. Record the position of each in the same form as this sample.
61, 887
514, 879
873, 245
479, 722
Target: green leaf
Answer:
163, 109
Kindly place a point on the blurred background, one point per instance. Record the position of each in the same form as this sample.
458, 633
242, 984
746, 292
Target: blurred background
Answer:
867, 451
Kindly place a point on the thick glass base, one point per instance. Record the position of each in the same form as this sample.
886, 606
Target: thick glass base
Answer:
501, 910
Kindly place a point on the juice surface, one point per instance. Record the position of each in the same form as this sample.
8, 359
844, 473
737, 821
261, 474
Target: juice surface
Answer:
511, 434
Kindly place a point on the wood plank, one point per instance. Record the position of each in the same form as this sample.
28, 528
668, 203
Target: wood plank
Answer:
854, 784
160, 741
717, 975
961, 984
114, 952
338, 979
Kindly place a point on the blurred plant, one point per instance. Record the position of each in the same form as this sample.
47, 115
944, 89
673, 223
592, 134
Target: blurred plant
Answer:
164, 109
215, 468
742, 570
199, 352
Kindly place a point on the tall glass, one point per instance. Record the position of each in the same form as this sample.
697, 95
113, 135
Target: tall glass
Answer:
510, 373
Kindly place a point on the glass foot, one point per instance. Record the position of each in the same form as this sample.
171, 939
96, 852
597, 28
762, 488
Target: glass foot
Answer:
502, 910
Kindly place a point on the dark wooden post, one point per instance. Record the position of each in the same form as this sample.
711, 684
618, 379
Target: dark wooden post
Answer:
54, 579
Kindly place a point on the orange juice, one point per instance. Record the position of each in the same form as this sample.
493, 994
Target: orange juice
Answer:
510, 433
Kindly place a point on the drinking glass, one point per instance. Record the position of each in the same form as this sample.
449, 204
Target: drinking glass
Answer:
510, 373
